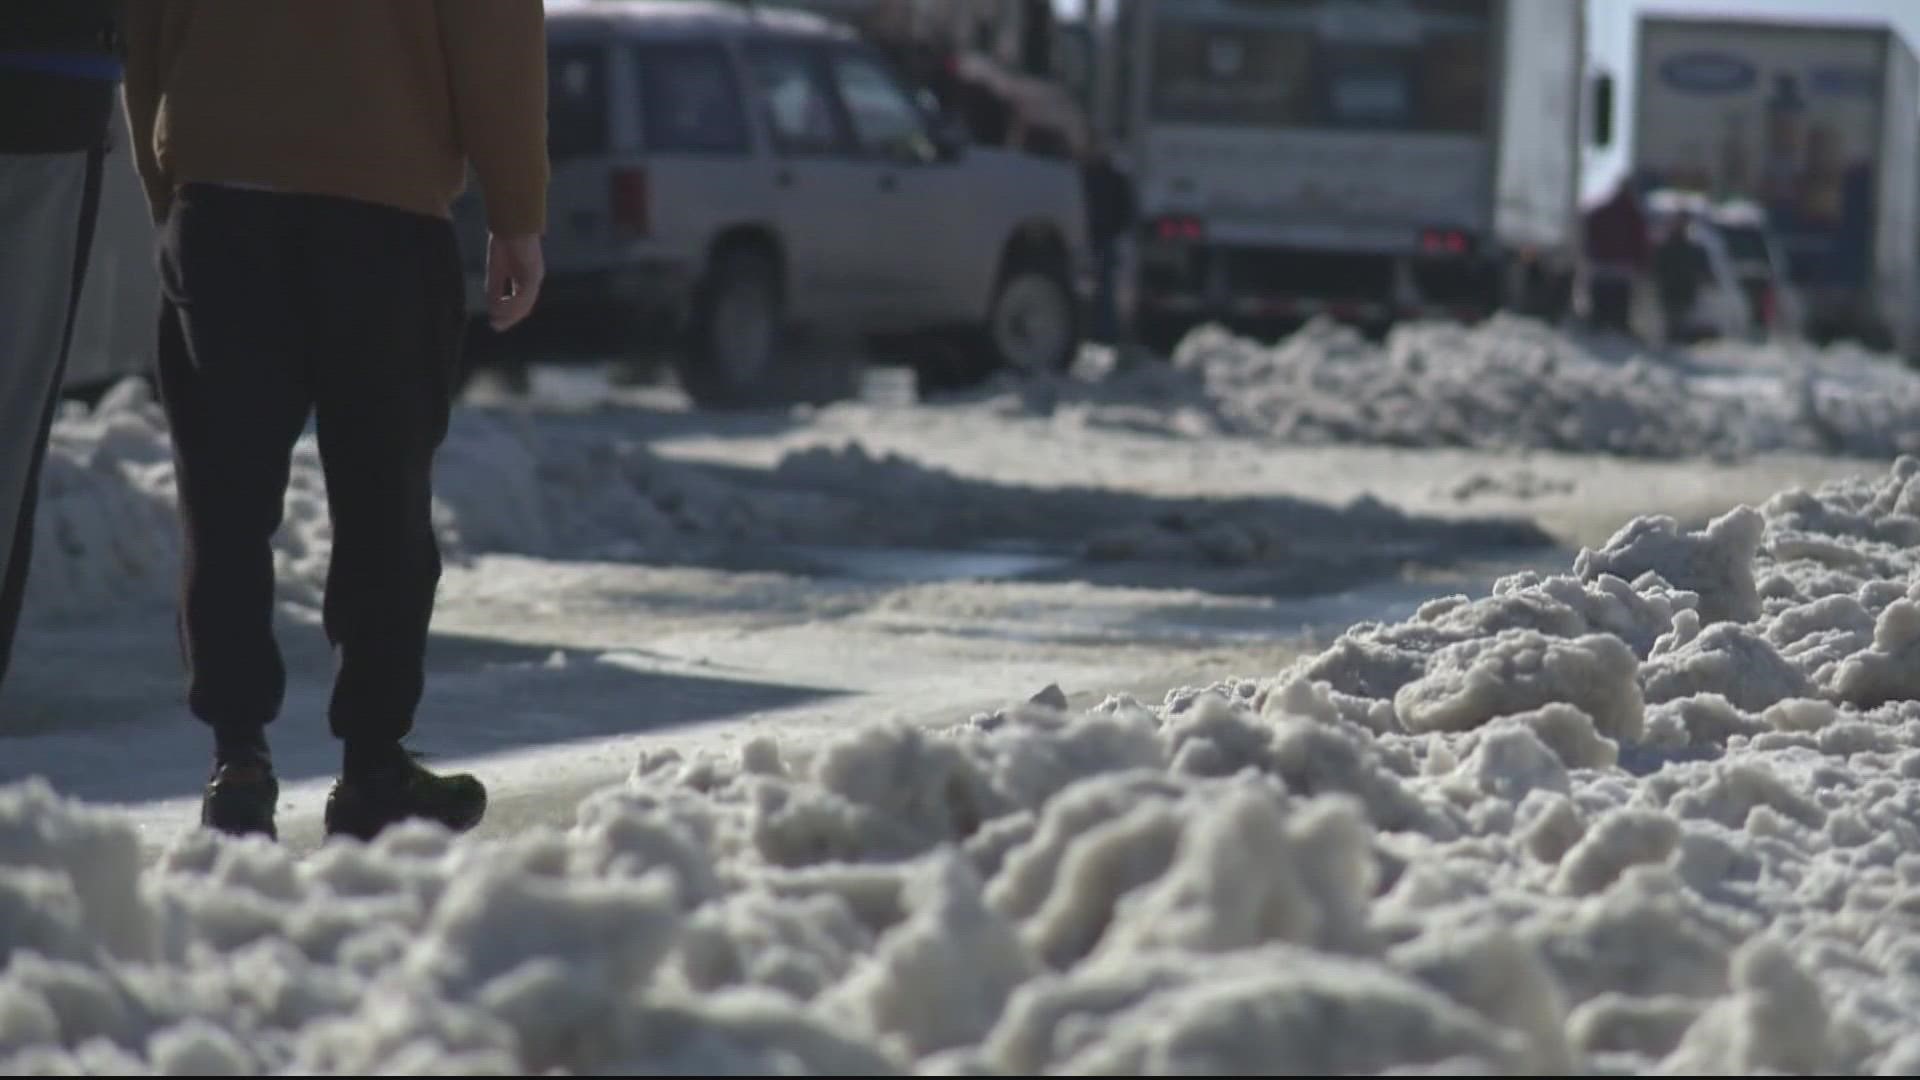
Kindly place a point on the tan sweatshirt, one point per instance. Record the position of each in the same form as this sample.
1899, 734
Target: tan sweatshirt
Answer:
381, 100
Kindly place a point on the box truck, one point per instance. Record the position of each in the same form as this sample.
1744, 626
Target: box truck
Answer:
1371, 159
1818, 124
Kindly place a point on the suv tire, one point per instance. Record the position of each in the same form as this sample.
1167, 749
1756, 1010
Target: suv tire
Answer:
1033, 327
735, 348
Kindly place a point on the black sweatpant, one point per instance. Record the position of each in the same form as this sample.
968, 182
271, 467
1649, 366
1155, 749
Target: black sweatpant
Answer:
276, 307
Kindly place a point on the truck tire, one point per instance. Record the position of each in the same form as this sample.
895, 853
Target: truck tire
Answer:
735, 345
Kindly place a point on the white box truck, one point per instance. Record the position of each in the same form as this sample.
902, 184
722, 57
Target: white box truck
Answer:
1819, 124
1375, 160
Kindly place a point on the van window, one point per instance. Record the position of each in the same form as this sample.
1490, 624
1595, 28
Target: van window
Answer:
690, 100
577, 113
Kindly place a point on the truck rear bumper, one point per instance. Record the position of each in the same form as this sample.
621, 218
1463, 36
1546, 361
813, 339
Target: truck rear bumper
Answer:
1195, 306
1229, 281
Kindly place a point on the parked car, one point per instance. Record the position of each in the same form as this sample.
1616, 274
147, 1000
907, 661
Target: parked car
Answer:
729, 179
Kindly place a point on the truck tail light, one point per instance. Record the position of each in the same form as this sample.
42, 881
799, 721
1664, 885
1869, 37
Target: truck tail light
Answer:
630, 201
1179, 227
1445, 242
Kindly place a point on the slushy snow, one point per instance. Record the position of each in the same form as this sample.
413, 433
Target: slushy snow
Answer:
106, 532
1660, 813
1509, 383
556, 487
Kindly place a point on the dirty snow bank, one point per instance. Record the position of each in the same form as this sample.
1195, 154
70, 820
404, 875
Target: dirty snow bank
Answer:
585, 489
1509, 383
106, 533
896, 497
1661, 813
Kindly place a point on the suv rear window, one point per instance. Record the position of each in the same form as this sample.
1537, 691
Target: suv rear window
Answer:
577, 116
690, 100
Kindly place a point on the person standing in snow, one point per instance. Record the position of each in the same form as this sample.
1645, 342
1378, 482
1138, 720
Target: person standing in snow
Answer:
301, 160
1680, 268
1617, 254
1111, 213
59, 66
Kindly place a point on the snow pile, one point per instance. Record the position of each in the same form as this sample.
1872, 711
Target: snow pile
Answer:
1813, 595
506, 482
1509, 383
107, 535
907, 502
511, 482
1661, 813
1517, 483
105, 531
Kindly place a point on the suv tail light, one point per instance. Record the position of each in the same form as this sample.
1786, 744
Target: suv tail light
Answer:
630, 200
1179, 227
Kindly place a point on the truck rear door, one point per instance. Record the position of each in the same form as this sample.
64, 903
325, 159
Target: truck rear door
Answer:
1327, 125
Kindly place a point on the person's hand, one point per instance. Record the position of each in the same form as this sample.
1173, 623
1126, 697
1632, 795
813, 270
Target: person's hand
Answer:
515, 269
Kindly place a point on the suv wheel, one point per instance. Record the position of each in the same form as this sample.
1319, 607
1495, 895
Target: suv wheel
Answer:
734, 356
1034, 326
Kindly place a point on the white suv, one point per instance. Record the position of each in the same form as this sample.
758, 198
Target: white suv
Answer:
735, 177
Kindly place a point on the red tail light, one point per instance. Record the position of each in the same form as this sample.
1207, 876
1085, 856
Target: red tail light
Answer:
1444, 242
1179, 227
1766, 305
631, 202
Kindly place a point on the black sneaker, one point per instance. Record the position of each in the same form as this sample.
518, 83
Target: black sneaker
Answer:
362, 806
240, 799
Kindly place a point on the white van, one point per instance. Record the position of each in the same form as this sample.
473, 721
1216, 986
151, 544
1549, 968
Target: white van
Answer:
1748, 294
1757, 263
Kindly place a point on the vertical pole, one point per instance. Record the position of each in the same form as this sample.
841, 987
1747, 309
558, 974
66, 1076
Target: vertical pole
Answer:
1108, 55
1036, 37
